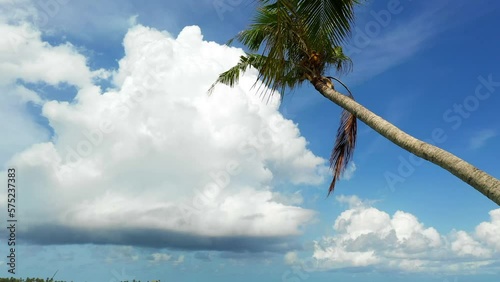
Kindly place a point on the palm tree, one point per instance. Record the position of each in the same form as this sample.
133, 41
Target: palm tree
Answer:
292, 41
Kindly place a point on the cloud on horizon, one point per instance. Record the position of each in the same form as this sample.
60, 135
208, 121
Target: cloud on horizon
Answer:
371, 239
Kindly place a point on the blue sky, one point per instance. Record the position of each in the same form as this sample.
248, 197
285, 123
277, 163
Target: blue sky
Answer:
127, 170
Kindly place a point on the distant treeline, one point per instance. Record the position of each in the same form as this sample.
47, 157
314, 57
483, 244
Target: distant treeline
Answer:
12, 279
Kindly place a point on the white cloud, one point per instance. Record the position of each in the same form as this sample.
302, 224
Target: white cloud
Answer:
157, 153
92, 21
294, 199
489, 232
348, 172
179, 260
481, 138
26, 57
291, 258
85, 20
16, 123
464, 245
368, 237
160, 257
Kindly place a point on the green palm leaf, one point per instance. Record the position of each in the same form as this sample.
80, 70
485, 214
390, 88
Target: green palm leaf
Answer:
296, 40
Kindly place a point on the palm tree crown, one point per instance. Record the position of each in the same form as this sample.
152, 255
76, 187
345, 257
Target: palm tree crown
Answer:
291, 41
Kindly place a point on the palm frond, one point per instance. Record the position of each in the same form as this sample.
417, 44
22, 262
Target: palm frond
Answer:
341, 62
232, 76
264, 65
328, 19
345, 143
280, 33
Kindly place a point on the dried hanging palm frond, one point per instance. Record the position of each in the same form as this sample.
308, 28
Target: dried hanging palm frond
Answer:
344, 144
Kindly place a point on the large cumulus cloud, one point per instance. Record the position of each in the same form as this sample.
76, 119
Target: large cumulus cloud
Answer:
154, 158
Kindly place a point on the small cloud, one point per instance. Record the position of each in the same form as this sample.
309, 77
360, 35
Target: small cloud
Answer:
179, 260
291, 258
348, 172
160, 257
292, 199
352, 201
163, 257
132, 21
480, 138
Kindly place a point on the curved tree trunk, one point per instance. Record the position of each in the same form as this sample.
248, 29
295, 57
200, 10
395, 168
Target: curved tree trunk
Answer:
480, 180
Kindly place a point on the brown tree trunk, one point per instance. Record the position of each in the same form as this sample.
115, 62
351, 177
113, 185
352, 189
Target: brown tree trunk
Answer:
480, 180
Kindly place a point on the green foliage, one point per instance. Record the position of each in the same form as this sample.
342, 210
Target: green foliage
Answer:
287, 34
296, 40
12, 279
